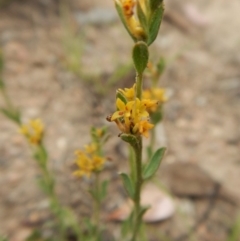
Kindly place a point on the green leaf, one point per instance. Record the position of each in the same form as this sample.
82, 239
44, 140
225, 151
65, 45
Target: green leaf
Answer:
155, 23
142, 211
2, 238
156, 116
127, 182
154, 4
235, 231
127, 225
122, 17
47, 185
103, 192
153, 165
6, 112
120, 95
12, 114
161, 65
34, 236
149, 153
140, 56
131, 139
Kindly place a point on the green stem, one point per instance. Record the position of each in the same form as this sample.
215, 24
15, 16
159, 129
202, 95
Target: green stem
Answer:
132, 163
138, 182
152, 142
59, 211
138, 186
139, 83
97, 206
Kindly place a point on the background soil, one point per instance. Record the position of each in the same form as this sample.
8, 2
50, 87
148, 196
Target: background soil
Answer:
200, 42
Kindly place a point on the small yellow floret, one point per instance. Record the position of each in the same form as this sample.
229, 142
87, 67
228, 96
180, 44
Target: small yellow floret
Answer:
143, 127
155, 94
33, 131
128, 6
129, 93
88, 162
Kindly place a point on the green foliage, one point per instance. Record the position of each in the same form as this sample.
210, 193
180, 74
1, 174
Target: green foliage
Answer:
103, 190
161, 65
235, 232
12, 114
154, 23
41, 156
140, 56
142, 17
120, 95
154, 4
131, 139
142, 211
156, 116
127, 182
2, 238
101, 193
2, 85
152, 166
127, 225
36, 235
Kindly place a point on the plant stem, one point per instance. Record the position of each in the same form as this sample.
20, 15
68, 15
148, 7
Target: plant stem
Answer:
152, 142
97, 206
138, 185
132, 162
138, 182
139, 81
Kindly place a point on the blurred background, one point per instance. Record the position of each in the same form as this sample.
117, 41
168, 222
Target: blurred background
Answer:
63, 61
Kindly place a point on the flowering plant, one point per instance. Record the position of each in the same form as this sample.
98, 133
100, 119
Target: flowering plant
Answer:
137, 112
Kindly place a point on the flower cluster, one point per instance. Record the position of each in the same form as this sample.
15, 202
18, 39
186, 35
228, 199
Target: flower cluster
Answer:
33, 131
91, 160
158, 94
132, 115
88, 161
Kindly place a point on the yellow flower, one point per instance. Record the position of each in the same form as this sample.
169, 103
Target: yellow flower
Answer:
88, 162
143, 127
33, 131
97, 162
139, 111
84, 164
132, 117
123, 110
129, 93
132, 23
91, 148
155, 94
128, 6
99, 132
